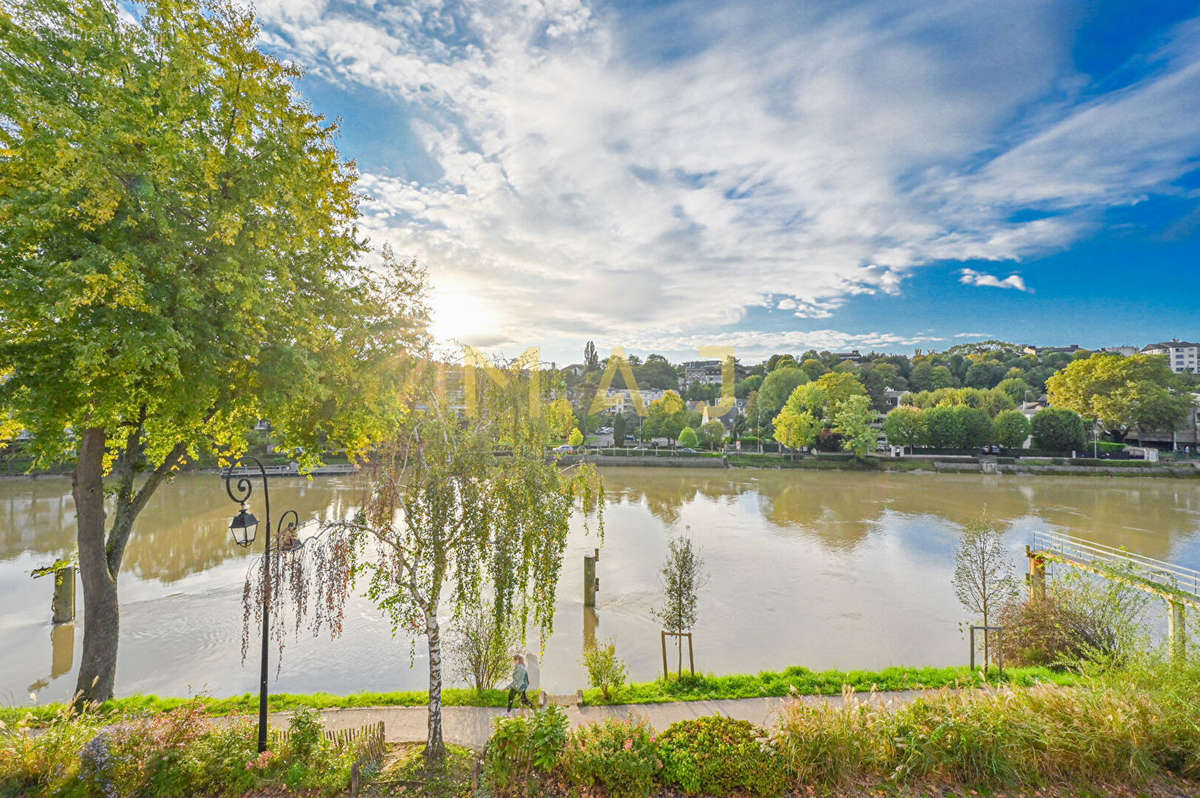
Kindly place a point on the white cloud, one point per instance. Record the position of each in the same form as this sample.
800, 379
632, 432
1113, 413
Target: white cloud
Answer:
978, 335
587, 187
972, 277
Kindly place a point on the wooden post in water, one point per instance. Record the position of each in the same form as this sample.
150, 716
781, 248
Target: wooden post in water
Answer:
63, 605
1176, 630
1037, 575
591, 583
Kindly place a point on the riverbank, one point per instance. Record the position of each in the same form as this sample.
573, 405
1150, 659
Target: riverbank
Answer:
1053, 466
704, 687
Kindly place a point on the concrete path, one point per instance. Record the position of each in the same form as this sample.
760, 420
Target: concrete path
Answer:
472, 726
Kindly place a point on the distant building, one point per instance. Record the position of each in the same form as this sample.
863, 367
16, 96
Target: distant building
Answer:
1182, 356
1039, 351
1186, 434
853, 356
1124, 351
708, 372
894, 396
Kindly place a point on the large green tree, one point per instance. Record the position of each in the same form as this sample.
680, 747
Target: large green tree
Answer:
905, 426
853, 422
778, 386
1121, 392
178, 259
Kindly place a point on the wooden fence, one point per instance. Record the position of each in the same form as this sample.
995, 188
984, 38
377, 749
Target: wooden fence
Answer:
367, 740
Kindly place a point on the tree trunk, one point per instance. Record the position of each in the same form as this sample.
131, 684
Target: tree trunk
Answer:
101, 612
435, 747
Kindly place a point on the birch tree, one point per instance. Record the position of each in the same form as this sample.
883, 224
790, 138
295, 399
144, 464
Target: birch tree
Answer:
451, 523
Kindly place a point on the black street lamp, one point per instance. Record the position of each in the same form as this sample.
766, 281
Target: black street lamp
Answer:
243, 528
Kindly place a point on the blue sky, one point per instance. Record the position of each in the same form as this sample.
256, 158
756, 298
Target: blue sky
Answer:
772, 176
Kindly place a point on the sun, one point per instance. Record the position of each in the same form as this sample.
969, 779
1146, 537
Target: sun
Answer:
461, 315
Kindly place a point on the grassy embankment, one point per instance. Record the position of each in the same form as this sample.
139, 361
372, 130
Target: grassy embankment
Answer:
794, 680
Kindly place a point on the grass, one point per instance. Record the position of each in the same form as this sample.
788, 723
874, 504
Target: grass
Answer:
276, 702
700, 688
802, 681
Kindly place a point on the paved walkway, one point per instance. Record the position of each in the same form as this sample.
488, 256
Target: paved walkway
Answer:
472, 726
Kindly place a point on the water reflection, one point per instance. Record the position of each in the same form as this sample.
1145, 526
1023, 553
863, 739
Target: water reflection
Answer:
183, 530
841, 509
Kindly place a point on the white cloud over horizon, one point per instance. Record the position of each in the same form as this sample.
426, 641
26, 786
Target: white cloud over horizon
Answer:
782, 158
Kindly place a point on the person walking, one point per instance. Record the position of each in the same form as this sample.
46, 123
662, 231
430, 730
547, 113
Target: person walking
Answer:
519, 683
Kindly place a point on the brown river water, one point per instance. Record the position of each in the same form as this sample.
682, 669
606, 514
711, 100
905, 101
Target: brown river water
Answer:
822, 569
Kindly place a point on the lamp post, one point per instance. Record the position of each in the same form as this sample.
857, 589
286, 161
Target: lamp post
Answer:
243, 528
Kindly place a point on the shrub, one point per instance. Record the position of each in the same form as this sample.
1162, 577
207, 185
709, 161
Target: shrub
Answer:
523, 751
605, 670
720, 756
47, 763
688, 438
619, 756
1058, 429
479, 649
828, 744
1012, 429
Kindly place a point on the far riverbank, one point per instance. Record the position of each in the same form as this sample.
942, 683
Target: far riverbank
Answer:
1053, 466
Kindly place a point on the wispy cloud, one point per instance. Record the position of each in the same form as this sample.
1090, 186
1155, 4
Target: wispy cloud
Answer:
600, 171
972, 277
979, 335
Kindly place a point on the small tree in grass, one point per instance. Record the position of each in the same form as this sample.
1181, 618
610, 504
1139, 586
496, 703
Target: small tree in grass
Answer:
605, 670
480, 648
576, 438
983, 579
682, 579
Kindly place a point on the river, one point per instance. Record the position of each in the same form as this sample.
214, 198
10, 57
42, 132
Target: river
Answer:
823, 569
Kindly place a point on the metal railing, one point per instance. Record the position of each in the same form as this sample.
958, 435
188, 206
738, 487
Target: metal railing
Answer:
1098, 555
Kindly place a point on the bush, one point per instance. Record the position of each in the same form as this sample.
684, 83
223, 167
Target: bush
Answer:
605, 670
829, 744
523, 751
688, 438
1012, 429
479, 649
175, 753
619, 756
48, 763
720, 756
1058, 429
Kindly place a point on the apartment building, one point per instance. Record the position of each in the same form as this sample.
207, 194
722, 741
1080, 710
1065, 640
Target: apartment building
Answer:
1182, 356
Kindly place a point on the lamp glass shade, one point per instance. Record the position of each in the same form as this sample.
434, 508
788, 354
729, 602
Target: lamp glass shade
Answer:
243, 527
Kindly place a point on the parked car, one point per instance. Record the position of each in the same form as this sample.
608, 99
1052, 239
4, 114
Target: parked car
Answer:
566, 448
689, 450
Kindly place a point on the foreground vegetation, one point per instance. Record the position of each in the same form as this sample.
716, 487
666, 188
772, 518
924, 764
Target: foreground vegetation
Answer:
176, 753
1132, 727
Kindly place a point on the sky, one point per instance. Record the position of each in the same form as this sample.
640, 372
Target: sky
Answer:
772, 176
